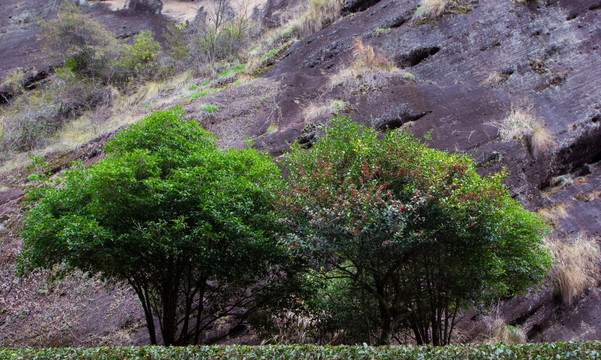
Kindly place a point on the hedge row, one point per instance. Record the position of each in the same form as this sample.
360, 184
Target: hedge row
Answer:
560, 350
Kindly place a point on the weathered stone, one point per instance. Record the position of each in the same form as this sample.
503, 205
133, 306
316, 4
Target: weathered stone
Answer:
146, 6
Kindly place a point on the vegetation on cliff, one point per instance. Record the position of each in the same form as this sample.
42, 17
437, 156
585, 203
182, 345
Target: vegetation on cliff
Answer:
417, 232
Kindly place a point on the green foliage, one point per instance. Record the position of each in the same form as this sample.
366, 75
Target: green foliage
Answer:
337, 304
209, 108
137, 58
232, 69
88, 49
219, 33
415, 228
269, 53
200, 93
185, 224
175, 38
577, 350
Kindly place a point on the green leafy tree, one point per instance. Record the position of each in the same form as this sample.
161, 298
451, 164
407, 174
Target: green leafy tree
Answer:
76, 39
136, 59
186, 224
416, 229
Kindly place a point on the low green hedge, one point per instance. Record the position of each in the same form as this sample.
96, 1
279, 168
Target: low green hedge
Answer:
560, 350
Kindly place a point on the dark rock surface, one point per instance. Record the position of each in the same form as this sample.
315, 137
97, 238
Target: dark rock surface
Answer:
146, 6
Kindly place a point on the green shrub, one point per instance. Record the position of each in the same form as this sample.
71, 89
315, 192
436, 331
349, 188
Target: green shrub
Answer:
84, 45
88, 49
417, 229
137, 59
218, 34
187, 225
578, 350
209, 108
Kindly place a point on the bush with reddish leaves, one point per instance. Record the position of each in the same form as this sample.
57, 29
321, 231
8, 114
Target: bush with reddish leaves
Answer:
415, 230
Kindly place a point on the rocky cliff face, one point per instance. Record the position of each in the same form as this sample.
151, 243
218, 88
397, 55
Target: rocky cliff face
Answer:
462, 75
469, 70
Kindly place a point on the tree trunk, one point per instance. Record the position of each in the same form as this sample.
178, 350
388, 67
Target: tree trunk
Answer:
170, 300
144, 299
386, 331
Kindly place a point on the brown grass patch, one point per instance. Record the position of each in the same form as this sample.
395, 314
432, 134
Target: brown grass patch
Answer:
576, 266
553, 214
318, 15
521, 125
370, 69
432, 8
326, 110
507, 334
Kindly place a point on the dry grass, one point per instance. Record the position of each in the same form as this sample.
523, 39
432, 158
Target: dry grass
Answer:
318, 15
121, 110
432, 8
298, 22
576, 266
507, 334
326, 110
365, 57
494, 78
369, 69
259, 62
291, 328
521, 125
553, 214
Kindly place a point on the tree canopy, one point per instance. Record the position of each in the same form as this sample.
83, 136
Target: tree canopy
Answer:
416, 230
187, 225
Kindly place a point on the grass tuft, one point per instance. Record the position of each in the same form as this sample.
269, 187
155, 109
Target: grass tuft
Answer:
576, 266
369, 69
521, 125
197, 94
209, 108
553, 214
432, 8
507, 334
324, 111
318, 15
231, 70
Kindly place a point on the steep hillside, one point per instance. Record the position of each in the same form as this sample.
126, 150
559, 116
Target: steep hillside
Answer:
471, 69
514, 84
